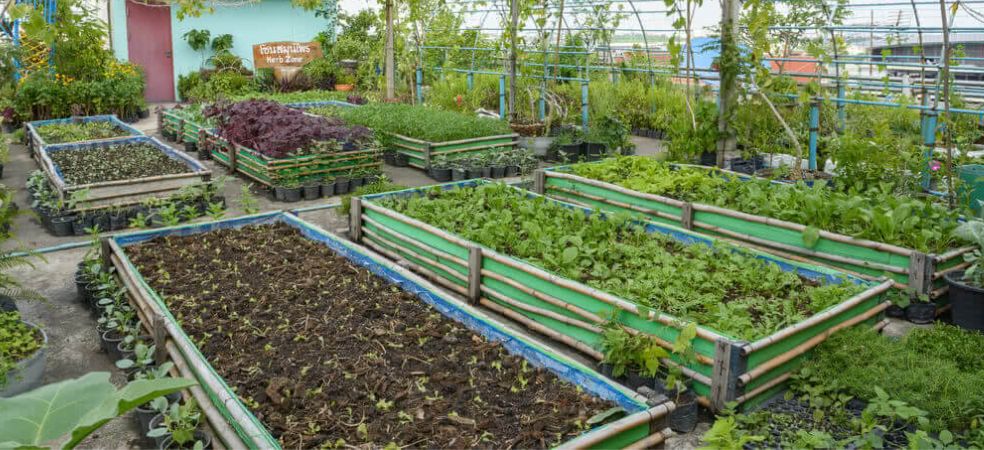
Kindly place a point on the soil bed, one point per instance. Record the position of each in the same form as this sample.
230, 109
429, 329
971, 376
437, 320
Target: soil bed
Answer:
115, 162
323, 351
84, 131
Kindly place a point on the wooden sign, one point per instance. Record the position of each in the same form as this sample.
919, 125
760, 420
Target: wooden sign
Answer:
274, 55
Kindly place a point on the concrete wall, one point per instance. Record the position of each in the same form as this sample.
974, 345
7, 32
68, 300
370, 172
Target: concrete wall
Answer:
254, 23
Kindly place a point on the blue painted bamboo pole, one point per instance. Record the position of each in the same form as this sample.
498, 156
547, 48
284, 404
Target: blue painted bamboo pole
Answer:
841, 108
929, 142
584, 107
502, 97
420, 85
471, 80
814, 128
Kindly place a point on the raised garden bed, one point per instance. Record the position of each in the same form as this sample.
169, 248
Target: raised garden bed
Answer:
423, 134
747, 364
315, 149
361, 361
713, 202
183, 124
119, 172
43, 133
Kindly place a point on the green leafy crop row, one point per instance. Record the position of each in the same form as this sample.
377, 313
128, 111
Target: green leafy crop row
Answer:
726, 290
877, 214
57, 133
419, 122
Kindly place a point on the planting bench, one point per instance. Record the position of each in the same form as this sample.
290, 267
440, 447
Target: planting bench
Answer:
726, 369
123, 192
35, 142
420, 153
235, 424
267, 171
907, 268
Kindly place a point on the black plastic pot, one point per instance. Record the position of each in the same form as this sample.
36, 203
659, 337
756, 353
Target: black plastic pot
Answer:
167, 443
356, 183
570, 151
110, 341
498, 171
118, 221
279, 193
78, 226
342, 186
204, 154
327, 189
401, 160
62, 225
157, 422
7, 304
606, 369
389, 158
684, 418
144, 415
441, 175
634, 380
921, 313
144, 113
593, 150
458, 174
102, 221
486, 172
895, 311
292, 194
191, 147
512, 171
80, 283
474, 173
708, 159
967, 301
312, 191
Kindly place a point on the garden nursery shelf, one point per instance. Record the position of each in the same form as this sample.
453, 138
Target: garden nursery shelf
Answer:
235, 423
725, 369
267, 171
907, 268
106, 189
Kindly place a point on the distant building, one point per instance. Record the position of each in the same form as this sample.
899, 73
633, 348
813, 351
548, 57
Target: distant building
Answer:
972, 46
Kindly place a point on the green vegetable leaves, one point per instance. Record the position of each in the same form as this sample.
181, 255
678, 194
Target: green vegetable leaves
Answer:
810, 236
74, 408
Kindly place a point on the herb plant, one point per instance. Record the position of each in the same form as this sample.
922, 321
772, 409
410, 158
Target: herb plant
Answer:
722, 288
878, 214
419, 122
17, 341
79, 131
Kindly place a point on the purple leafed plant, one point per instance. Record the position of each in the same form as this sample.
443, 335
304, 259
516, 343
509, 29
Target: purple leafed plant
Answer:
278, 131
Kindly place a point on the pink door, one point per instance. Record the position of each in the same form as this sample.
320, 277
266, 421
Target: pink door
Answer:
148, 31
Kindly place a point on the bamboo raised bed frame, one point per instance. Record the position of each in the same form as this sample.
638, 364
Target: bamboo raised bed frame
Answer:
907, 268
35, 143
726, 369
267, 171
108, 194
236, 426
421, 152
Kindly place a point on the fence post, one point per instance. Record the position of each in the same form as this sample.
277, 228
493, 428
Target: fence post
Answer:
159, 333
502, 96
814, 129
584, 106
539, 181
729, 364
474, 274
921, 273
355, 220
841, 111
687, 215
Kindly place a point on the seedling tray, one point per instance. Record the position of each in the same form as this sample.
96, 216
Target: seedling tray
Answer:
267, 171
123, 192
235, 424
907, 268
35, 142
421, 153
726, 369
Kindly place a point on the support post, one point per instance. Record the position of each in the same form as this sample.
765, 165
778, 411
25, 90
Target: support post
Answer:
106, 252
514, 31
470, 78
814, 130
420, 85
929, 143
687, 215
502, 96
475, 274
539, 181
355, 220
542, 102
584, 106
729, 364
728, 96
158, 331
390, 60
920, 273
841, 110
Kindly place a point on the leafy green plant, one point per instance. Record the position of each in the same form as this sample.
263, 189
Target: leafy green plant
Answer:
17, 341
74, 408
181, 420
973, 231
378, 187
248, 201
79, 131
418, 122
719, 287
877, 214
215, 211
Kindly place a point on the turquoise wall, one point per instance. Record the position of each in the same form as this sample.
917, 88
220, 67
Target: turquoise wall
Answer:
250, 24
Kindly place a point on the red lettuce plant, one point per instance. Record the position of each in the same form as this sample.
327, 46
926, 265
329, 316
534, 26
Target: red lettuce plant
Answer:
278, 131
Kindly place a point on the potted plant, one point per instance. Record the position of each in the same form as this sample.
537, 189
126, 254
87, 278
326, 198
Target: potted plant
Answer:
357, 179
967, 286
22, 354
312, 190
458, 173
684, 418
401, 159
177, 428
342, 184
327, 185
287, 189
441, 169
345, 82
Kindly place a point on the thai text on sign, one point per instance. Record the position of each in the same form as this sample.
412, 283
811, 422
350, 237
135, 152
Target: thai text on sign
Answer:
285, 54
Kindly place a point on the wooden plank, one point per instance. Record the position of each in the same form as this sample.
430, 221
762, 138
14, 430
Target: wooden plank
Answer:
729, 364
355, 220
475, 274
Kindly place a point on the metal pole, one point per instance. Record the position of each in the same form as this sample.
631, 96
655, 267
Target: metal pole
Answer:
814, 128
929, 143
390, 59
584, 106
502, 96
420, 85
841, 111
471, 80
514, 25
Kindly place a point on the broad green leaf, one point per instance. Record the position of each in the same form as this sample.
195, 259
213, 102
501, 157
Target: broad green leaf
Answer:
811, 235
75, 408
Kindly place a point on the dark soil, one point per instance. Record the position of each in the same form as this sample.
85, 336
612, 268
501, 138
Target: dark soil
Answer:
324, 351
116, 162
